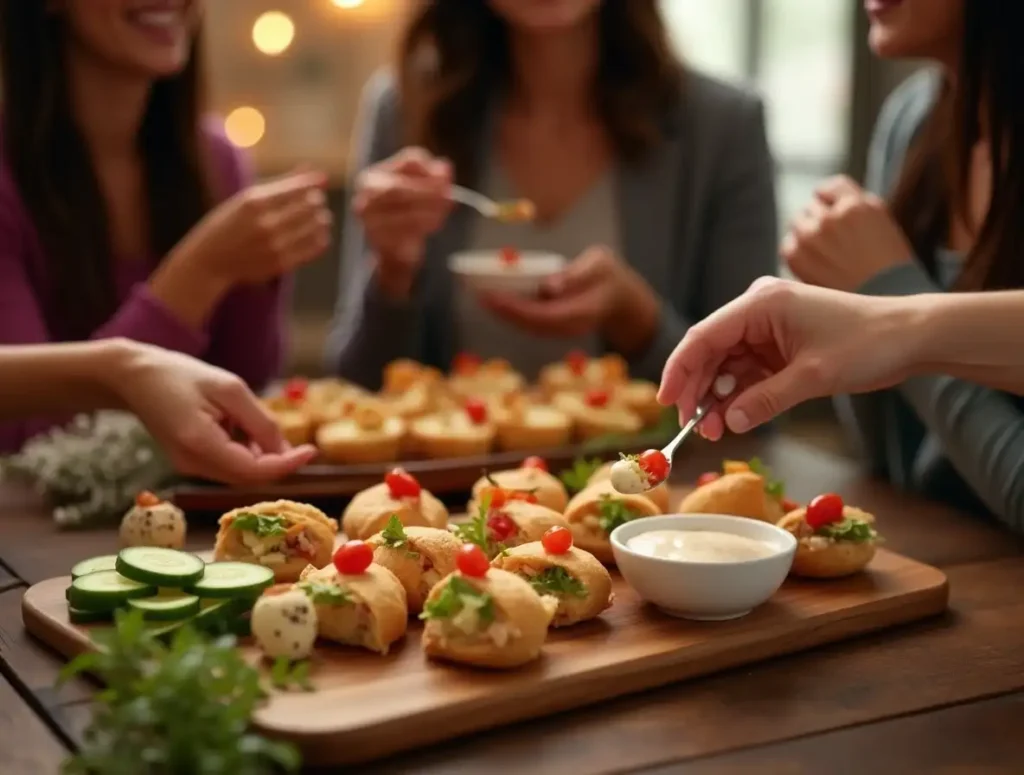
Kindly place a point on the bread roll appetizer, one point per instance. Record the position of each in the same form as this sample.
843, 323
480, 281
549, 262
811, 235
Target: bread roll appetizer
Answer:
418, 556
506, 518
595, 414
553, 566
484, 616
400, 495
358, 603
285, 536
531, 477
578, 372
466, 432
594, 512
659, 495
742, 490
521, 425
369, 435
833, 540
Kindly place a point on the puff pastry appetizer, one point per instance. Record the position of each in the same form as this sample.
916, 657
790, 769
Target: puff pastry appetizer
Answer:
532, 477
553, 566
400, 495
595, 414
472, 378
578, 372
833, 539
468, 432
506, 518
484, 616
369, 435
418, 556
521, 425
743, 490
594, 512
283, 535
363, 606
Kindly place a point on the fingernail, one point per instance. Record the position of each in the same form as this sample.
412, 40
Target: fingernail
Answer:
737, 420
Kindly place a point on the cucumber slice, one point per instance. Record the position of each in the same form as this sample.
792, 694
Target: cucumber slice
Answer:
105, 590
166, 609
233, 579
82, 616
106, 562
160, 567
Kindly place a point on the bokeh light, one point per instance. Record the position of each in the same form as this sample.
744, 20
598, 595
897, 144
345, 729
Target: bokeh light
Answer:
245, 126
273, 33
347, 3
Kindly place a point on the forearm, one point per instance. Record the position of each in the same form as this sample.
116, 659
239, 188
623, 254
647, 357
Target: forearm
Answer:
191, 296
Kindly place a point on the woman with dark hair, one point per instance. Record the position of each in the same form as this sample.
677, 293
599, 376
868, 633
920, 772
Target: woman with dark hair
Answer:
657, 181
948, 153
123, 214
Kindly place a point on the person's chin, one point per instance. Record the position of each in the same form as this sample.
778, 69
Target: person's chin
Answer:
886, 43
161, 65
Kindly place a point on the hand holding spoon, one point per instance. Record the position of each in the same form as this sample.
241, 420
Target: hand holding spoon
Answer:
634, 475
512, 211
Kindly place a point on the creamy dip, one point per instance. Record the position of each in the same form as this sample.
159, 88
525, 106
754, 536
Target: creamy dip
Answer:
699, 546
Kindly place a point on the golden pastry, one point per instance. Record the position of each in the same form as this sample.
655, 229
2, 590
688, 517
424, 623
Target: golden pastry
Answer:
641, 397
594, 414
282, 535
594, 512
743, 490
546, 489
659, 495
368, 436
418, 556
490, 378
509, 521
403, 374
523, 425
466, 432
579, 372
296, 425
399, 494
841, 546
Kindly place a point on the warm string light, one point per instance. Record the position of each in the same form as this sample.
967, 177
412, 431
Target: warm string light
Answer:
273, 33
245, 126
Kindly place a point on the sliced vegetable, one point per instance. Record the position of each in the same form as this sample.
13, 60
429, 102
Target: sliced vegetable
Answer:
159, 566
105, 562
105, 590
232, 579
557, 540
353, 557
165, 609
84, 616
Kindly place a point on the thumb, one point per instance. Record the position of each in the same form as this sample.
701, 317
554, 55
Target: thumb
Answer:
767, 399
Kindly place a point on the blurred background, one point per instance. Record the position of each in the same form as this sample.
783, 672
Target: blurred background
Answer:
287, 74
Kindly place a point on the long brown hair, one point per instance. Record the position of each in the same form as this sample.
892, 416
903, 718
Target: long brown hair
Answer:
56, 178
455, 55
984, 100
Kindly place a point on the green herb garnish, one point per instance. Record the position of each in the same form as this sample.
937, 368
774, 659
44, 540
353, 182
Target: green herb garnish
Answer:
285, 674
557, 581
773, 487
394, 537
260, 524
475, 530
612, 513
854, 530
457, 595
576, 478
178, 707
325, 592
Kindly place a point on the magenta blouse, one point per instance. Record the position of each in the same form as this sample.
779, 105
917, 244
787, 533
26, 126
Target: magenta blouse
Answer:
245, 335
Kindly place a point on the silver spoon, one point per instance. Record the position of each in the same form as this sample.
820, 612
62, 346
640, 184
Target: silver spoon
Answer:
511, 211
632, 480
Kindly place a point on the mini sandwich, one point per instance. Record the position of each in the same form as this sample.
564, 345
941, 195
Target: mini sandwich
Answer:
833, 540
418, 556
597, 510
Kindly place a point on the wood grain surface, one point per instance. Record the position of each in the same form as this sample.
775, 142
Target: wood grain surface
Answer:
368, 706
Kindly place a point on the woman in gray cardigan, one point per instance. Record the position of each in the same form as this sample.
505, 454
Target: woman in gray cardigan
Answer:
659, 182
947, 438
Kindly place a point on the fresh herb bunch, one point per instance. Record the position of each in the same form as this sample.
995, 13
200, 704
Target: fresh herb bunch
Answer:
395, 537
576, 478
559, 582
612, 513
325, 592
475, 530
170, 709
854, 530
260, 524
459, 594
773, 487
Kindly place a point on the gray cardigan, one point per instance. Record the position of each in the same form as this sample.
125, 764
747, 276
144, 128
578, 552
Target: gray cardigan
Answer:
944, 437
698, 222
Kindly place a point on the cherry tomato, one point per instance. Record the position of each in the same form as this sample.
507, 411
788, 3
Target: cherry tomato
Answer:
466, 363
596, 398
501, 526
654, 463
557, 540
145, 499
577, 362
295, 389
402, 484
535, 462
707, 478
824, 510
789, 505
509, 256
353, 557
477, 411
498, 497
471, 561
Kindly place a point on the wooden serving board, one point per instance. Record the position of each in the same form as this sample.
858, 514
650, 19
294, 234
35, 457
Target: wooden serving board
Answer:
367, 706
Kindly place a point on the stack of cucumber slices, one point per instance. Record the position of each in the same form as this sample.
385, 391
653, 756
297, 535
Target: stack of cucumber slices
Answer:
168, 586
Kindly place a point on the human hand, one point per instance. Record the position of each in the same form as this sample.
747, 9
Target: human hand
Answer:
843, 238
189, 407
597, 292
787, 343
267, 230
401, 202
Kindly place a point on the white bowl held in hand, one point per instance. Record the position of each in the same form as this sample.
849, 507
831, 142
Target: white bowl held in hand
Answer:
484, 270
705, 591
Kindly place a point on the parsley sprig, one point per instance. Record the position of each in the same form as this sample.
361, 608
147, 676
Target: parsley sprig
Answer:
325, 592
576, 478
457, 595
260, 524
773, 487
394, 537
853, 530
612, 513
475, 530
182, 707
557, 581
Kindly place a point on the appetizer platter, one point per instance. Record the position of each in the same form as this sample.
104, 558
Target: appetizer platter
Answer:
446, 429
408, 625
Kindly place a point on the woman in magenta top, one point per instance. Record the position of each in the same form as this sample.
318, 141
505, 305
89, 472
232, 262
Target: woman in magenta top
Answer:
124, 214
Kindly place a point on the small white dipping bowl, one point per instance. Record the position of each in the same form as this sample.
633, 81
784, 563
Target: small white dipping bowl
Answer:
705, 591
483, 270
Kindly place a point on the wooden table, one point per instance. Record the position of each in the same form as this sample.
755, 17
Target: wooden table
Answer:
942, 696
